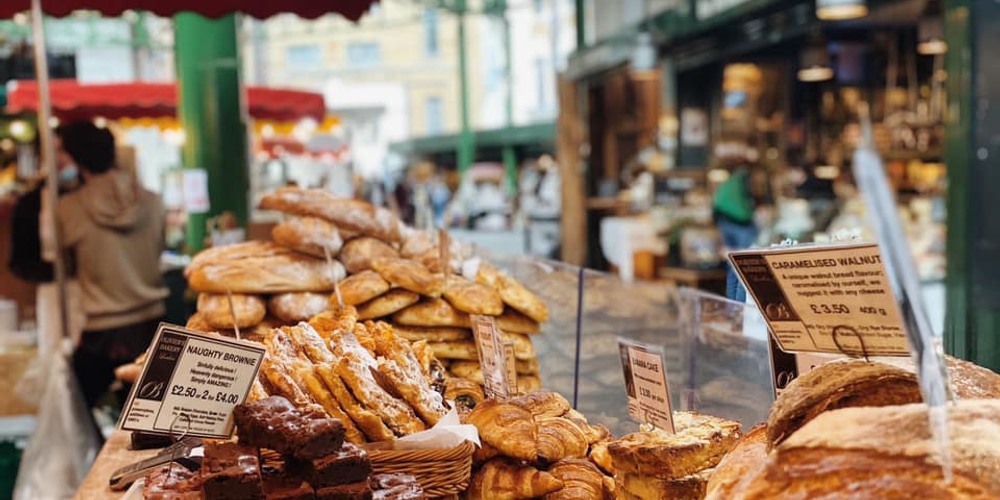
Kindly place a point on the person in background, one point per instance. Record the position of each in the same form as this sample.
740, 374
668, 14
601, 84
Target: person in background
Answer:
116, 229
733, 207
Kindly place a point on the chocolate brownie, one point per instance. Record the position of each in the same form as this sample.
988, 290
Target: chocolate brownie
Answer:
349, 465
359, 490
396, 487
171, 482
281, 483
275, 423
230, 471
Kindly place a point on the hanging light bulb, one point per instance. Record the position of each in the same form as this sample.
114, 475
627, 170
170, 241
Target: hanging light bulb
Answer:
840, 10
930, 33
814, 62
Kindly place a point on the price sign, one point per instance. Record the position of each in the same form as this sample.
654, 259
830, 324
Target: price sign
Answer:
646, 384
496, 357
190, 384
829, 299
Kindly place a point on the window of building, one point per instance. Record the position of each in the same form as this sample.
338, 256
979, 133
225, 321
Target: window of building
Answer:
538, 6
303, 56
430, 33
434, 115
363, 53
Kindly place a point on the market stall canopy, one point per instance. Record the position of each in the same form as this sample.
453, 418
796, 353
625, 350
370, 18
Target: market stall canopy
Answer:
351, 9
72, 99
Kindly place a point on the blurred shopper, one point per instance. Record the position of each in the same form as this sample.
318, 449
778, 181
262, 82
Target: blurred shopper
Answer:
733, 208
30, 259
116, 229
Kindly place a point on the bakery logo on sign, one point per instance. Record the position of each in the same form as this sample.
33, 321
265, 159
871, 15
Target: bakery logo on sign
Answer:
190, 384
646, 384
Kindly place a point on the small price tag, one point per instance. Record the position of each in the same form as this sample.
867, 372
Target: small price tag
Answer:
496, 358
646, 383
827, 299
190, 384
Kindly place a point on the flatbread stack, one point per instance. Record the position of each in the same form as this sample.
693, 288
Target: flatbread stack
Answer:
395, 274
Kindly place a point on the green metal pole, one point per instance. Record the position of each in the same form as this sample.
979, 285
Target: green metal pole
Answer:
466, 142
973, 300
509, 158
211, 114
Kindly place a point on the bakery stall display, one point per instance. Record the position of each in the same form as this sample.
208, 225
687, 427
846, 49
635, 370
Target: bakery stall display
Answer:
536, 446
282, 452
654, 464
884, 452
383, 269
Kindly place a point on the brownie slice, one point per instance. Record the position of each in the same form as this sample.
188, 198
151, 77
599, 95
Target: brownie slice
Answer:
359, 490
349, 465
275, 423
230, 472
396, 487
171, 482
281, 483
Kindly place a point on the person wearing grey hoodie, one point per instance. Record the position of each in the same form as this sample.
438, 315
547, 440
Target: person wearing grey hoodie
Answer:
115, 228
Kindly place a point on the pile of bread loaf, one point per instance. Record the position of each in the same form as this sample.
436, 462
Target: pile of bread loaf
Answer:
536, 446
383, 268
859, 428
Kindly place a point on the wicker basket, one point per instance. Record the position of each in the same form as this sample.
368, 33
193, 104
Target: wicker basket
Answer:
441, 473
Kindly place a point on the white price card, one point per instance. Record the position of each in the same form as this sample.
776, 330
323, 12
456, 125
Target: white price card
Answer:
190, 384
646, 383
829, 298
496, 358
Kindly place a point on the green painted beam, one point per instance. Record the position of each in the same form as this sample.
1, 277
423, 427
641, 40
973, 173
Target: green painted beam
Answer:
958, 133
211, 114
467, 143
542, 133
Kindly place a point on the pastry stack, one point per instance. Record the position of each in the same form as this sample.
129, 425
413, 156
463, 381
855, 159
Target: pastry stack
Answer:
393, 273
378, 384
285, 453
652, 464
536, 446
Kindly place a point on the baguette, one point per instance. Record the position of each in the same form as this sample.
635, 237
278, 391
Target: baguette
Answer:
354, 215
288, 272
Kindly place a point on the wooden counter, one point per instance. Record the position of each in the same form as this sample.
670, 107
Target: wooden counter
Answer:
113, 456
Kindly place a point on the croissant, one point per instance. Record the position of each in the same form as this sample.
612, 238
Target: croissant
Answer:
502, 479
581, 480
600, 456
560, 438
543, 404
484, 454
507, 427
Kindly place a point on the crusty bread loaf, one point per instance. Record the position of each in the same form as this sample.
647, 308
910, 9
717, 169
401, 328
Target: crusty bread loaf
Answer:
749, 455
297, 306
358, 254
246, 310
699, 443
884, 452
851, 382
309, 235
354, 215
286, 272
230, 253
